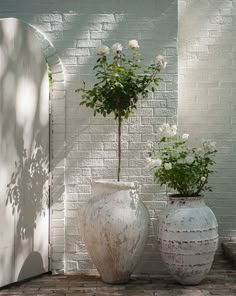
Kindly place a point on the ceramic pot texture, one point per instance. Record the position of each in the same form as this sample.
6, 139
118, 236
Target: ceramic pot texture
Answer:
114, 227
188, 238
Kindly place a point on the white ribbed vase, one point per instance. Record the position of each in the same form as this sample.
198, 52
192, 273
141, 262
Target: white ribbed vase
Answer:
114, 226
188, 238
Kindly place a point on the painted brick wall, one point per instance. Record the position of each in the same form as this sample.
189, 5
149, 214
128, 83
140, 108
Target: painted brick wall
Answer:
92, 142
75, 28
207, 94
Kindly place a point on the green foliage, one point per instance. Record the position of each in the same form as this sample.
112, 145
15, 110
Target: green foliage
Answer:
49, 76
119, 84
182, 168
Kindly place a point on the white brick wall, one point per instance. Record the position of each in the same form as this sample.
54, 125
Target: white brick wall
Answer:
92, 142
207, 94
207, 55
75, 28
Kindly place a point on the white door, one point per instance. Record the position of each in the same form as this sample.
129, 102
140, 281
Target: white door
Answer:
24, 154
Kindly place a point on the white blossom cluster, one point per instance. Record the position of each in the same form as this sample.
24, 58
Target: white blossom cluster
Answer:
161, 61
132, 44
173, 150
208, 145
168, 131
105, 50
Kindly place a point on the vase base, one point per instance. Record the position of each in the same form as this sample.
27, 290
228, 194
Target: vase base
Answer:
116, 280
194, 281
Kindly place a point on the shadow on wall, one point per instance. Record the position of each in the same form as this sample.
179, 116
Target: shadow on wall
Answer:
32, 266
28, 189
24, 148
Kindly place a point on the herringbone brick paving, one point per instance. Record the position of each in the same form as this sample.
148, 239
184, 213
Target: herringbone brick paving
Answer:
220, 282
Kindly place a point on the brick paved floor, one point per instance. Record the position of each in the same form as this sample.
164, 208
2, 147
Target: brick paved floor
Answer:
220, 281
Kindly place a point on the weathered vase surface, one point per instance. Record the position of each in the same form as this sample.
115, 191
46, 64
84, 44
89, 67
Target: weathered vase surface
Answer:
188, 238
114, 227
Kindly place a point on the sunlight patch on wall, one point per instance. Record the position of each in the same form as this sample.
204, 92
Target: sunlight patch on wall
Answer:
3, 59
44, 93
10, 33
26, 105
4, 174
196, 51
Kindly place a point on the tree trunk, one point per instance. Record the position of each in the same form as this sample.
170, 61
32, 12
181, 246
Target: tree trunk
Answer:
119, 146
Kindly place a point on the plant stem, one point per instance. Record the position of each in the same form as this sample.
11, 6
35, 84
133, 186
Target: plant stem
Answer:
119, 140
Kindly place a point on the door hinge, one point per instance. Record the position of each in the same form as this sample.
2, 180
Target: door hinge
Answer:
50, 103
50, 107
49, 250
50, 179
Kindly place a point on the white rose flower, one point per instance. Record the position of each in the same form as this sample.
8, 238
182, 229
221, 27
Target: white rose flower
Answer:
203, 179
157, 162
151, 163
133, 44
168, 131
102, 50
189, 159
173, 131
116, 47
167, 166
148, 160
161, 61
180, 161
199, 152
149, 145
164, 127
209, 145
174, 128
185, 136
212, 145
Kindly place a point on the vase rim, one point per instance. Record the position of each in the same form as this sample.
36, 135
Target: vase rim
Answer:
181, 197
112, 183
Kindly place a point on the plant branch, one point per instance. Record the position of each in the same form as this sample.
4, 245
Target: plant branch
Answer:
119, 139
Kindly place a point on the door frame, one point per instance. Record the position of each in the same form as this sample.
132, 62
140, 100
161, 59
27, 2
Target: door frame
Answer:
57, 151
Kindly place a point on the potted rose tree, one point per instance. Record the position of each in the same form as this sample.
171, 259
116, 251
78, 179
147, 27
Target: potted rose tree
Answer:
188, 230
114, 223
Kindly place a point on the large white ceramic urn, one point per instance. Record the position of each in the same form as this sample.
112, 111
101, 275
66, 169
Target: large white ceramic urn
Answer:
114, 226
188, 238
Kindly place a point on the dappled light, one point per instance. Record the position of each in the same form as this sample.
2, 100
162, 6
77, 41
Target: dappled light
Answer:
26, 102
43, 101
3, 58
9, 34
24, 149
48, 162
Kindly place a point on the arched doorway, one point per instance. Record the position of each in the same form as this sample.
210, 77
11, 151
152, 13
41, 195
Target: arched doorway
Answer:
25, 150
